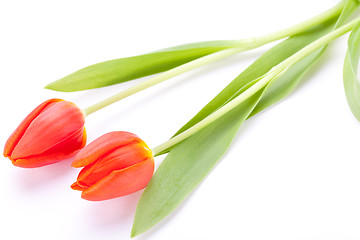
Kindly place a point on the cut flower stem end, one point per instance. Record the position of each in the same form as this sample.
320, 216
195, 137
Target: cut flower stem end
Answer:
233, 47
264, 80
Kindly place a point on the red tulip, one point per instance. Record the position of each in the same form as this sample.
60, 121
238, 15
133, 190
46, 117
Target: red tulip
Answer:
115, 164
50, 133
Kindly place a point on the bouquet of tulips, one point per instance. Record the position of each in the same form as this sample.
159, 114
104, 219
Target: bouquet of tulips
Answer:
120, 163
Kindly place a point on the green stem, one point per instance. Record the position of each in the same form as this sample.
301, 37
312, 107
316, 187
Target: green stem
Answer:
162, 77
274, 72
235, 47
298, 28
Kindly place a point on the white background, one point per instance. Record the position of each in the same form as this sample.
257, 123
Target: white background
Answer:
293, 171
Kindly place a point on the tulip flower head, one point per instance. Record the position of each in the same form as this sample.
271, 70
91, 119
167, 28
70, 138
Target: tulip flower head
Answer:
116, 164
52, 132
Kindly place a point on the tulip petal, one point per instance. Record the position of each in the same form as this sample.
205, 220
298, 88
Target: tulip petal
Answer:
120, 158
76, 186
103, 145
20, 130
121, 182
48, 129
63, 150
40, 160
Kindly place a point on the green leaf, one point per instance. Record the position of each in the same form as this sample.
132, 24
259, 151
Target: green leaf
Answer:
284, 85
192, 159
351, 81
260, 67
126, 69
167, 187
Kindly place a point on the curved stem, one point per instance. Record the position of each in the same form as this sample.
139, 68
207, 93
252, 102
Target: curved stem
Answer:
303, 26
234, 47
274, 72
162, 77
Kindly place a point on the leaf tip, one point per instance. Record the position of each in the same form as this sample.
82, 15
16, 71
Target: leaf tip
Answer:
58, 86
133, 234
53, 86
49, 86
137, 229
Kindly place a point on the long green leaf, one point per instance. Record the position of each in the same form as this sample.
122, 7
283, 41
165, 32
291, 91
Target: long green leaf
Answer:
168, 188
126, 69
191, 160
351, 81
282, 86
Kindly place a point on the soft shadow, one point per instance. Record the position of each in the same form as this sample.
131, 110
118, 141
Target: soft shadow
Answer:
35, 178
113, 213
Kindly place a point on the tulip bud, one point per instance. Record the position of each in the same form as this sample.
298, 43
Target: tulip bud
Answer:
116, 164
52, 132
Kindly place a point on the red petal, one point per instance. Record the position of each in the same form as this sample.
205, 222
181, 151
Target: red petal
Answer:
20, 130
63, 150
121, 182
48, 129
76, 186
103, 145
120, 158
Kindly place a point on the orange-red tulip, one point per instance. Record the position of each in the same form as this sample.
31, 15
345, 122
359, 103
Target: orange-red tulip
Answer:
116, 164
50, 133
